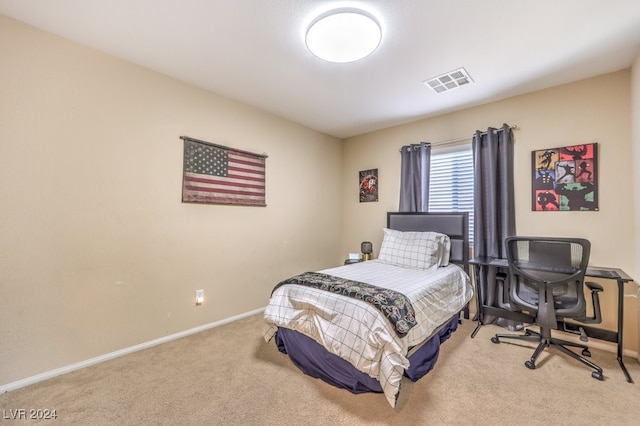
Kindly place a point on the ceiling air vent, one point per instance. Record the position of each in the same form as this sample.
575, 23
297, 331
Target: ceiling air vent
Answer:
449, 81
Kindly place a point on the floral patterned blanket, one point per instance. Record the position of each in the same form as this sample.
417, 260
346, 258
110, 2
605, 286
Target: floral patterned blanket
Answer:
393, 305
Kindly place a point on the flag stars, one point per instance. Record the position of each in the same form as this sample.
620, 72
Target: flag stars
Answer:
205, 159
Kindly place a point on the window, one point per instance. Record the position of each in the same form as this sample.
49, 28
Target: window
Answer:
451, 181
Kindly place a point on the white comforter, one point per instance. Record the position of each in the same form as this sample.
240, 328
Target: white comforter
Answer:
356, 331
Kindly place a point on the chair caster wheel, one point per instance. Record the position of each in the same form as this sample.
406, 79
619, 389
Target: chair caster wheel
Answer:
586, 352
495, 339
597, 375
530, 365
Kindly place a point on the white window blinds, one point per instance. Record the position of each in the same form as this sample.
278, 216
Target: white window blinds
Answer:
451, 181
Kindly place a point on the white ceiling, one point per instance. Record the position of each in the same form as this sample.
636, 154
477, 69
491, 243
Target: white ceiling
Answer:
253, 50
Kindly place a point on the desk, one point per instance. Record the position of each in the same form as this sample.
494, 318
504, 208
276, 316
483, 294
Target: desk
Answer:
618, 275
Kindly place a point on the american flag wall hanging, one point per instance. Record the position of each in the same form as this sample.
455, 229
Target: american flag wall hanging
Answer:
216, 174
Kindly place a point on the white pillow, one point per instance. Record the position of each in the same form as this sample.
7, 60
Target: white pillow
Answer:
415, 250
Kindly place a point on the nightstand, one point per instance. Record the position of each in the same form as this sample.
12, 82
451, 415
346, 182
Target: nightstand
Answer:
350, 261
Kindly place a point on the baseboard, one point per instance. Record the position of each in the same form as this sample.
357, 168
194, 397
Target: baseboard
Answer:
595, 343
611, 347
102, 358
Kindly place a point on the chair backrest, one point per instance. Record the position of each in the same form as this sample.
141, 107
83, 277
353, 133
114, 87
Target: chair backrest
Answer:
546, 276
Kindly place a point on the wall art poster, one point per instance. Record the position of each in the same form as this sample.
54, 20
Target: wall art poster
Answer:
565, 179
368, 185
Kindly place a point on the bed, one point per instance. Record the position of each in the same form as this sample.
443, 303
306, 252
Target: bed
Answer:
365, 326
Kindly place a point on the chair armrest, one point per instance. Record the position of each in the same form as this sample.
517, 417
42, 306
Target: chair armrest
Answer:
595, 300
594, 286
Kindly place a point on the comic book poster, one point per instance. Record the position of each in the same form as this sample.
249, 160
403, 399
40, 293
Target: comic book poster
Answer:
565, 179
368, 181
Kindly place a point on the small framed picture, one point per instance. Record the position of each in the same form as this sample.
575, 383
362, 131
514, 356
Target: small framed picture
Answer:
368, 181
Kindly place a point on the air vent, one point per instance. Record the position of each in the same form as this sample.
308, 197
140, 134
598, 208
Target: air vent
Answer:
449, 81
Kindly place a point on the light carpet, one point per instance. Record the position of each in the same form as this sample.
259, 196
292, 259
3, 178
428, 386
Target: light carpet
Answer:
230, 376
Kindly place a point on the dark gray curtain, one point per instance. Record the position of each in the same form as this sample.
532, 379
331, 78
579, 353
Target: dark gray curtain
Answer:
414, 177
494, 210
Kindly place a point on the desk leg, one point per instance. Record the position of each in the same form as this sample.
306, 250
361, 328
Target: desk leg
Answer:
479, 314
475, 331
620, 325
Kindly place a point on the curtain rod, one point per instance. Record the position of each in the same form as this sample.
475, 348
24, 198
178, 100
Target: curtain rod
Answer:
465, 138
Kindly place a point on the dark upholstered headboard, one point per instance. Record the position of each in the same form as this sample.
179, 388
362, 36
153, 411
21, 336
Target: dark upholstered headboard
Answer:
453, 224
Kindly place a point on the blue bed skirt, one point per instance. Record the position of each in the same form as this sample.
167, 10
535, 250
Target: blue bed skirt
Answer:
310, 357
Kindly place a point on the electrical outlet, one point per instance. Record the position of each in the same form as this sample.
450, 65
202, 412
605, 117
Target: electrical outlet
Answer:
199, 297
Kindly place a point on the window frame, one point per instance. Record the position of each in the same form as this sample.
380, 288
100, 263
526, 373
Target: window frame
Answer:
463, 184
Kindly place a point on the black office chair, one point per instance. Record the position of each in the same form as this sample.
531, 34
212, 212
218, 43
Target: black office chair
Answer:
546, 281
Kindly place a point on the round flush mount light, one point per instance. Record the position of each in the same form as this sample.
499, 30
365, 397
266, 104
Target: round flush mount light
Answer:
343, 35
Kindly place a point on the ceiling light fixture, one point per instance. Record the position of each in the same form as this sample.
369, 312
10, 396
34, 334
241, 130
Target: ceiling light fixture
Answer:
343, 35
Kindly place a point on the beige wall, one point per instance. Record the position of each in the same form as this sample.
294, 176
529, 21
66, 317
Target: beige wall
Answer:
635, 159
97, 252
593, 110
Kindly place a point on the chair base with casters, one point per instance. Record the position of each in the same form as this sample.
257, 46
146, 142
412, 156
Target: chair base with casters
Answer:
544, 341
